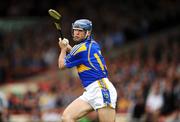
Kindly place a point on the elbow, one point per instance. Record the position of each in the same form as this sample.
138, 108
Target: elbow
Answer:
61, 66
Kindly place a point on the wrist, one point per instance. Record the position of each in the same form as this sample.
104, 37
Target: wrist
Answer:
64, 49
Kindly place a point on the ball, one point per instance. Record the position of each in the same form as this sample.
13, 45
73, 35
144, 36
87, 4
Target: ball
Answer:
65, 41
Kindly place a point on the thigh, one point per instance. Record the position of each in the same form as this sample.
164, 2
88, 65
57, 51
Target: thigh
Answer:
77, 109
106, 114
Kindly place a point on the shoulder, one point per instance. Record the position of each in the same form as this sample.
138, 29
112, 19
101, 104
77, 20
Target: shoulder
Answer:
94, 44
79, 48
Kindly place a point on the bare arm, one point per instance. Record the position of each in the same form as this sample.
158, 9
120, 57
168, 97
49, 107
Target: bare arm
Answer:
69, 48
64, 48
61, 60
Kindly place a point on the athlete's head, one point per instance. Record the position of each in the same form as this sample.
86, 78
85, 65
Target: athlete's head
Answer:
81, 29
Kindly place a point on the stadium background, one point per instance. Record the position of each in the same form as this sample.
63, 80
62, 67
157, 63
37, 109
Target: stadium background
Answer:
140, 41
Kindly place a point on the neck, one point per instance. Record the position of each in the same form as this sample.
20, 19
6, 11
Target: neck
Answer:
83, 40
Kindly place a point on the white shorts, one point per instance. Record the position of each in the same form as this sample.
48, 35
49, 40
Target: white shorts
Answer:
100, 93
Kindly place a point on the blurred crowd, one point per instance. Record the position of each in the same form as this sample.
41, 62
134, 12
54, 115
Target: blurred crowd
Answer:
146, 75
123, 17
114, 24
148, 80
26, 52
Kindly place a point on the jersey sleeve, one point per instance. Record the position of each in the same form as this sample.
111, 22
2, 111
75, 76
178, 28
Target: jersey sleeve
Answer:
71, 60
76, 58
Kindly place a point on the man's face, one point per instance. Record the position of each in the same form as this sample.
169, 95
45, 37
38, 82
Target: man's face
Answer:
78, 35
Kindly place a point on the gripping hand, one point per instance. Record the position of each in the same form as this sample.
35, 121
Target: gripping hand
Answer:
63, 43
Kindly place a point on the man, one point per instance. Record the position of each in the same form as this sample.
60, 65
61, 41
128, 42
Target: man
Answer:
99, 94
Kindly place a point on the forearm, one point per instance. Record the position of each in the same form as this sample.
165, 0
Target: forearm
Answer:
61, 60
69, 48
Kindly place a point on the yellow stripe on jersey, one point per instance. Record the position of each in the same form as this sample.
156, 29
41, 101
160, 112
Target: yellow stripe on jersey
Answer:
82, 68
82, 48
99, 61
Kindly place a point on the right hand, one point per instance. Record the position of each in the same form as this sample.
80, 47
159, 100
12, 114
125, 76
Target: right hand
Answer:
63, 43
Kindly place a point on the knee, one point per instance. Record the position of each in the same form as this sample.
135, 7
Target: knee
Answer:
67, 118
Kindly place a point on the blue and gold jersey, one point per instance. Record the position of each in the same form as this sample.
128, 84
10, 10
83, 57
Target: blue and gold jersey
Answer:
90, 64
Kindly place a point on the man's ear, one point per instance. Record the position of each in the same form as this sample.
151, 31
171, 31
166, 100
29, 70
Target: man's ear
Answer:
88, 33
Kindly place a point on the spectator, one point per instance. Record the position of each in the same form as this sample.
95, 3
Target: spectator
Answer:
154, 103
3, 107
